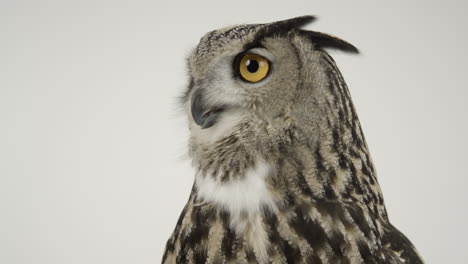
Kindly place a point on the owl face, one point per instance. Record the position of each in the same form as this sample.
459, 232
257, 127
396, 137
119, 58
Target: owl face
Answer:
247, 71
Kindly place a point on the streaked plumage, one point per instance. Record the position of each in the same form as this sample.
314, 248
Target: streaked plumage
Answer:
283, 172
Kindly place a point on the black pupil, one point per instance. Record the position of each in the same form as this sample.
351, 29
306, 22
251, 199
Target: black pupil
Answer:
252, 66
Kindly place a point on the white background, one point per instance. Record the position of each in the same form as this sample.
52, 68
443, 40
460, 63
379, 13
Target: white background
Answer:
92, 146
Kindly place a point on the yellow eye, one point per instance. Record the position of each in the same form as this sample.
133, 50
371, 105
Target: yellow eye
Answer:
253, 68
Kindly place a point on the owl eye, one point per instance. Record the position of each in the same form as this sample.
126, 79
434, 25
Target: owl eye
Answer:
253, 68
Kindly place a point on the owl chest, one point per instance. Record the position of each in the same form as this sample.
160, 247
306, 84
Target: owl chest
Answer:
250, 233
244, 199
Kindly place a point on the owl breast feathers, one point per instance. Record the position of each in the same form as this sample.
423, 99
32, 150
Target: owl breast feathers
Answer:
283, 172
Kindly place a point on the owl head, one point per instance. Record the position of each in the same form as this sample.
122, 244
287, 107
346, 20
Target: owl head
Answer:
270, 75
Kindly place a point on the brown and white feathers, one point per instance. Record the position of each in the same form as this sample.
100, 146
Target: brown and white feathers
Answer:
283, 172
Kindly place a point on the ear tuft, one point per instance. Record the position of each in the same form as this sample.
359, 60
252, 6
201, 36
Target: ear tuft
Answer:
285, 26
295, 22
329, 42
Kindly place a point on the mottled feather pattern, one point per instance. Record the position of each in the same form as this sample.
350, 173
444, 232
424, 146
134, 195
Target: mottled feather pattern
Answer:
321, 201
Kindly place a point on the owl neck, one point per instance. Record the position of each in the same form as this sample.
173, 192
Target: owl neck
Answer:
336, 166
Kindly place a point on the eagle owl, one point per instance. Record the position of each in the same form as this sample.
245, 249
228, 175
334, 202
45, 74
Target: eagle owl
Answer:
283, 172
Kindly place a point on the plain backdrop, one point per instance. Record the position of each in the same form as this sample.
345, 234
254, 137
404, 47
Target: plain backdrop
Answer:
93, 165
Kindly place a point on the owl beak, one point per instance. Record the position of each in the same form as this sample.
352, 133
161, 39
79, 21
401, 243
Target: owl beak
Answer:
203, 116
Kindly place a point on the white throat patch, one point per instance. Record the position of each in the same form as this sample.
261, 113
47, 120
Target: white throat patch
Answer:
243, 198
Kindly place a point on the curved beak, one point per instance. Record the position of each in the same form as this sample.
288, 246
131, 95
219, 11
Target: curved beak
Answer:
203, 115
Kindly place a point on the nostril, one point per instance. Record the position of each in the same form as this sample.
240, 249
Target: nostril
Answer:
207, 114
212, 112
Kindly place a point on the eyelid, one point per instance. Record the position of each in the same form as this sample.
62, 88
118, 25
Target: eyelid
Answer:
260, 51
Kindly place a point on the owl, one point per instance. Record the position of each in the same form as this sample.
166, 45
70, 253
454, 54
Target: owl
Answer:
283, 173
